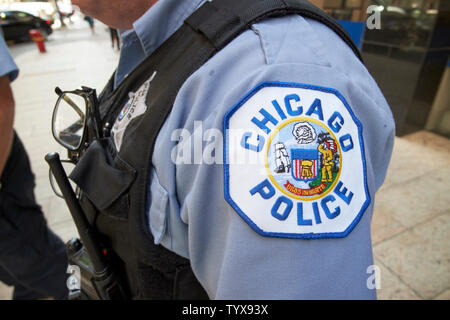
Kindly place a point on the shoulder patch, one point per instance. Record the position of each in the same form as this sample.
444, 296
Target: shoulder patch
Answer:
134, 107
294, 162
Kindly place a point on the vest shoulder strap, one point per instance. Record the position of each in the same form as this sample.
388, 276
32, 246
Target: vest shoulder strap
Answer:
220, 21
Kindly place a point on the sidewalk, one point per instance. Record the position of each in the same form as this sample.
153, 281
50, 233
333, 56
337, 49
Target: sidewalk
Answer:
74, 57
411, 224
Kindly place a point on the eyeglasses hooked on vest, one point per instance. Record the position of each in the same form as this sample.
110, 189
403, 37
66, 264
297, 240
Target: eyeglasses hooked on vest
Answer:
75, 119
75, 116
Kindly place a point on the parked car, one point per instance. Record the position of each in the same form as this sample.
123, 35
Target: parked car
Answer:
43, 10
16, 24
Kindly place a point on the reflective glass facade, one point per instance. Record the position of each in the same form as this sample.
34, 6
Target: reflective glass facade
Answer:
407, 55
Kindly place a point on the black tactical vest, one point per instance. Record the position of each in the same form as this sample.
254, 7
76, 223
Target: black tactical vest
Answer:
115, 184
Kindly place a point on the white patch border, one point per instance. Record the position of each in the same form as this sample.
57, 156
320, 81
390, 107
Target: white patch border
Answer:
234, 205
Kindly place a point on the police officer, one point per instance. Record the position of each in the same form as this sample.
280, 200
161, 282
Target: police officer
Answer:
246, 230
32, 257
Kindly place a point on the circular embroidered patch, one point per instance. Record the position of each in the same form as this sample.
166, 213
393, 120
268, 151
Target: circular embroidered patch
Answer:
294, 162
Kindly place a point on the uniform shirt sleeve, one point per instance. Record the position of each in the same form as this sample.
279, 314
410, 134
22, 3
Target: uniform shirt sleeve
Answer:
7, 65
187, 209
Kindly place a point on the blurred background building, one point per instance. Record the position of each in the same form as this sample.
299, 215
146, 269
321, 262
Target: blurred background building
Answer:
408, 56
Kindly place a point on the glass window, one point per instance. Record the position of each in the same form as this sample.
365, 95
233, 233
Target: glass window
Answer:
405, 23
439, 118
5, 16
22, 16
395, 53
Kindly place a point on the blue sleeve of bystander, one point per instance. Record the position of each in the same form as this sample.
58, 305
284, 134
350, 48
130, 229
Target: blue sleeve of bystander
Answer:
7, 64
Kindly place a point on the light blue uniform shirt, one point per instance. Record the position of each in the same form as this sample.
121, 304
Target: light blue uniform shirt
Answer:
187, 210
7, 65
150, 31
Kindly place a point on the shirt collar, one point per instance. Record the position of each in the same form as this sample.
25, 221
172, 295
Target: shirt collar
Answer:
161, 21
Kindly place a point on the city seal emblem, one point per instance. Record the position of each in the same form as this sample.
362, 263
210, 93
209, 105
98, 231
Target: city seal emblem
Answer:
294, 162
303, 159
